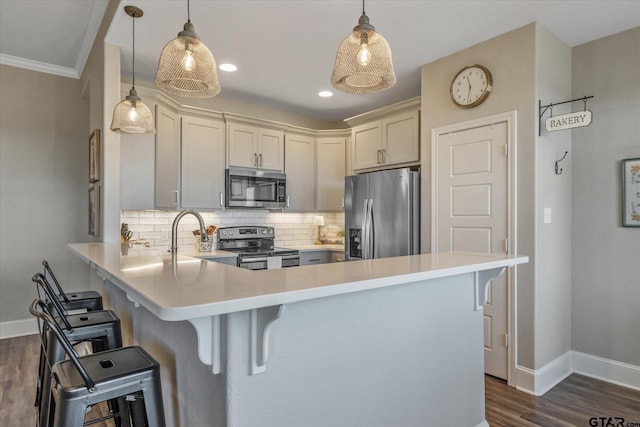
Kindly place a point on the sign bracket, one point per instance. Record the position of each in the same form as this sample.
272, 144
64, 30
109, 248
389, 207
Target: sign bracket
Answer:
542, 109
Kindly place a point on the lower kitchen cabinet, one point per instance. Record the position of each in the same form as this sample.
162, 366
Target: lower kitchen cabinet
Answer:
315, 257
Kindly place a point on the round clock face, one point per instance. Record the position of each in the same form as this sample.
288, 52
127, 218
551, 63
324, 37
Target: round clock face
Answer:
471, 86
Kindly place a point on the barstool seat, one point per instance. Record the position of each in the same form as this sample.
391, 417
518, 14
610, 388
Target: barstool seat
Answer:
83, 300
114, 374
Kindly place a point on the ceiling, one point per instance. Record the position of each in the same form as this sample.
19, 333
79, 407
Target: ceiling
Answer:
285, 49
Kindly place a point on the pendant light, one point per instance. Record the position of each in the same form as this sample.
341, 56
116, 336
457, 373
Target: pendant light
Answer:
132, 115
363, 62
186, 67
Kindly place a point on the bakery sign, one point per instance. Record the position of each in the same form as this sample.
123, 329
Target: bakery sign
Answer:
568, 121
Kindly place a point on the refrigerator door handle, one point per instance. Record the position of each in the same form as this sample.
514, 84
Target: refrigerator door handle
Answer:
371, 237
363, 231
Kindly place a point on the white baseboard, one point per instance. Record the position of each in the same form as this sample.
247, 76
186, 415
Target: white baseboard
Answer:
608, 370
538, 382
17, 328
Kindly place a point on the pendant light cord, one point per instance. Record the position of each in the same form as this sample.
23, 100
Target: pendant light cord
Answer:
133, 60
363, 7
189, 12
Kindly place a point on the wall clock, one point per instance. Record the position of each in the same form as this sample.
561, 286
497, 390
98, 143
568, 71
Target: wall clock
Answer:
471, 86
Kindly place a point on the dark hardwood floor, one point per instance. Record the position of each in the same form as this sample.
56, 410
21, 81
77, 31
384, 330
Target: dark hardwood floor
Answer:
573, 402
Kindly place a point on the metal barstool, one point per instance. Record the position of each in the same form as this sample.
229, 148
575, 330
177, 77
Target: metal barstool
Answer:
101, 328
114, 374
87, 300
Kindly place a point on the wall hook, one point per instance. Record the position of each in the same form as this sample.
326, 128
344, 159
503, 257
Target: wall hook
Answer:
559, 170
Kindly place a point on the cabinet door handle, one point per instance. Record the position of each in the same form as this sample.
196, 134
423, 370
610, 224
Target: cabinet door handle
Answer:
221, 199
260, 160
255, 159
287, 201
384, 155
177, 197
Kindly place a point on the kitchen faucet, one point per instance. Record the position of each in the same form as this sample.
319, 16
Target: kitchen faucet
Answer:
174, 229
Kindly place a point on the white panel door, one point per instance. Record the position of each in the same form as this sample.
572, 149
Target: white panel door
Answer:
472, 215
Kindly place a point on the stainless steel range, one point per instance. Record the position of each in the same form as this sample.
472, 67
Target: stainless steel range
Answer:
255, 248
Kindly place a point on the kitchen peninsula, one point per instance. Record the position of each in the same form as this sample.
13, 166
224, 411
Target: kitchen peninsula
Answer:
392, 341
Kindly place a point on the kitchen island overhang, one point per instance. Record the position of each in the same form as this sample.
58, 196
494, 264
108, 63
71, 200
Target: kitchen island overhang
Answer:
184, 287
401, 309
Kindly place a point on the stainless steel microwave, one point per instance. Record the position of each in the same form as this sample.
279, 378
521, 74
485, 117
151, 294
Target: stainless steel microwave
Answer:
253, 188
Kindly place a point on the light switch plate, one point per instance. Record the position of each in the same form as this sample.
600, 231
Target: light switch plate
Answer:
547, 215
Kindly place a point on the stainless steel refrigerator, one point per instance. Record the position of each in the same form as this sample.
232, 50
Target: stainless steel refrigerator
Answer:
382, 214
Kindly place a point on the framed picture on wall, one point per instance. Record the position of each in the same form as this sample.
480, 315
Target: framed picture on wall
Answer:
94, 210
631, 192
94, 156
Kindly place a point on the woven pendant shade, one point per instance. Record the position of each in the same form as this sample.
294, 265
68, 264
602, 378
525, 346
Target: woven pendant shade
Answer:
187, 68
132, 115
363, 62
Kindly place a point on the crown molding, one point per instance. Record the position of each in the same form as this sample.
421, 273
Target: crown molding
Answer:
41, 67
383, 111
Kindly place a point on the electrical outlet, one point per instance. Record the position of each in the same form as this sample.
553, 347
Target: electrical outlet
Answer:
547, 215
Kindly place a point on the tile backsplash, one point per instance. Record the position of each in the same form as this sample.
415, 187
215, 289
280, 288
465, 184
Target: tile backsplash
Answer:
291, 229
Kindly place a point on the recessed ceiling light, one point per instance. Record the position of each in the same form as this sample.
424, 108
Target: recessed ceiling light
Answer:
228, 67
325, 94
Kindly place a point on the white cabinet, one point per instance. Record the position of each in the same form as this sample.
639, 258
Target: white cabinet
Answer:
401, 138
189, 161
167, 174
322, 256
386, 138
300, 167
330, 172
202, 165
137, 158
366, 145
255, 147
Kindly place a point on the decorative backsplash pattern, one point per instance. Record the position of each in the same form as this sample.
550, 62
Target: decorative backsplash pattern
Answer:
292, 229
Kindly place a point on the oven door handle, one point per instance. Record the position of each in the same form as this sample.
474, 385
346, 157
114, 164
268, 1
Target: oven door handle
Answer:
289, 256
250, 259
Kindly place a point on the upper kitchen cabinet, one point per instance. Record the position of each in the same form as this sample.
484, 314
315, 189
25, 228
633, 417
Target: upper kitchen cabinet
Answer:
300, 167
189, 157
137, 154
252, 145
202, 163
167, 174
386, 138
330, 172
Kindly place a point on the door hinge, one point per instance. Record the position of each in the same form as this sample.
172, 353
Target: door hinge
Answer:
506, 150
506, 340
506, 246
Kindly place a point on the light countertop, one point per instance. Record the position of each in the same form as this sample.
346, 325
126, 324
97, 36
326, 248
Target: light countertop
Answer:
188, 287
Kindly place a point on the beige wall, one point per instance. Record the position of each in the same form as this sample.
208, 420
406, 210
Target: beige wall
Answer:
552, 311
43, 184
606, 267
